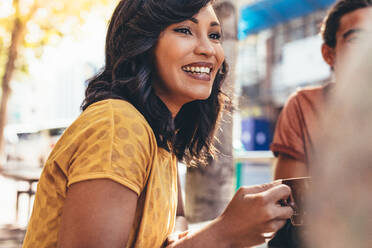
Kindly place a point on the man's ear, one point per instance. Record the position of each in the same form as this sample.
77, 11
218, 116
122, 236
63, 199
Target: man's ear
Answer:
328, 54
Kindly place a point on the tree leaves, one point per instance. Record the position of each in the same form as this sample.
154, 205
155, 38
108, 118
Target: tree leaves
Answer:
34, 24
46, 22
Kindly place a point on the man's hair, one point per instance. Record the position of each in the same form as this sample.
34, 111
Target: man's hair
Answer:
331, 22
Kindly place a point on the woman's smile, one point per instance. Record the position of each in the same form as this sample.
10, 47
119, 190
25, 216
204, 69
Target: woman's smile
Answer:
188, 56
199, 70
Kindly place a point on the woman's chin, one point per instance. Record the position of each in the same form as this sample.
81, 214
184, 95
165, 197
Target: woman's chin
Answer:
202, 95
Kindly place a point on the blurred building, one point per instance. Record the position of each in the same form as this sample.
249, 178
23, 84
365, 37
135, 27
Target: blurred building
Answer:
279, 51
53, 90
48, 98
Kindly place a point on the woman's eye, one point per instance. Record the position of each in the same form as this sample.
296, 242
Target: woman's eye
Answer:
183, 30
215, 36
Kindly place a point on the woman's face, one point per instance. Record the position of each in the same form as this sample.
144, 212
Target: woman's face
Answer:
188, 55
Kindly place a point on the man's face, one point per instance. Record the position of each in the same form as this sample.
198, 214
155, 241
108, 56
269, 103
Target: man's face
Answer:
354, 32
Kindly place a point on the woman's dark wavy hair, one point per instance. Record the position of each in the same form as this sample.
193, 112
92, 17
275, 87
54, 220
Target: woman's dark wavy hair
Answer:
129, 70
331, 22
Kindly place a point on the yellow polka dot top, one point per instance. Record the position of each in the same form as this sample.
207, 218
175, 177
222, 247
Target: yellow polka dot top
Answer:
110, 140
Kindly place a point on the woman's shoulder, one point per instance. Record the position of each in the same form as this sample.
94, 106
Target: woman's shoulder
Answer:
105, 122
117, 115
109, 114
115, 109
112, 104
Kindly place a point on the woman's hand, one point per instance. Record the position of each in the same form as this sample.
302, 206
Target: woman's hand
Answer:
180, 231
252, 213
174, 237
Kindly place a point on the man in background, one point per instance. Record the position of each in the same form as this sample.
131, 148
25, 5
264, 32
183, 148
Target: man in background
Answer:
345, 26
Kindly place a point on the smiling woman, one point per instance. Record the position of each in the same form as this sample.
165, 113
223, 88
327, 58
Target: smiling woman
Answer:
188, 56
111, 180
167, 37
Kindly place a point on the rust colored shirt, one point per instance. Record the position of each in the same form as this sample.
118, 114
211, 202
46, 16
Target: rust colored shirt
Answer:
298, 123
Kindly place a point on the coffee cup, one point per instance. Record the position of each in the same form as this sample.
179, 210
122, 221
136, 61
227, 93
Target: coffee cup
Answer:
299, 187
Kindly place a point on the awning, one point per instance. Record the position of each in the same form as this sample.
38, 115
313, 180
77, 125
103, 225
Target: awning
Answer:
265, 14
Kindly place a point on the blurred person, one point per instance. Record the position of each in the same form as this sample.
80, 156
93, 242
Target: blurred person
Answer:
340, 199
299, 123
111, 180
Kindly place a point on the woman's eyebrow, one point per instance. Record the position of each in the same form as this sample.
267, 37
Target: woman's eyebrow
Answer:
196, 21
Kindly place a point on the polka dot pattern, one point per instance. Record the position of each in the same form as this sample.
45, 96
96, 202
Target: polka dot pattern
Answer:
122, 133
129, 150
112, 140
103, 135
115, 156
137, 129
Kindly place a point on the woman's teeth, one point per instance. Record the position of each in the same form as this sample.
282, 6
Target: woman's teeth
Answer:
193, 69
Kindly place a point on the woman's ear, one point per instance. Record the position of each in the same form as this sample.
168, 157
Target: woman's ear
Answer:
328, 54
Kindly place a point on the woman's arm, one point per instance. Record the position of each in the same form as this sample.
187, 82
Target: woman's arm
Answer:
252, 213
97, 213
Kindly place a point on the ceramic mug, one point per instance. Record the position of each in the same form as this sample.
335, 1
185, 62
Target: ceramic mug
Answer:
299, 187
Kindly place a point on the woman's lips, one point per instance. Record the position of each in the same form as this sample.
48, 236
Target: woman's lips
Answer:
199, 70
198, 76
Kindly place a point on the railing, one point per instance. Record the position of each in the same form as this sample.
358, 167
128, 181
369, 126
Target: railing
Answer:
264, 158
19, 172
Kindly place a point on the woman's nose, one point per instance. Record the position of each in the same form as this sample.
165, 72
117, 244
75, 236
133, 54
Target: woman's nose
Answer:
205, 47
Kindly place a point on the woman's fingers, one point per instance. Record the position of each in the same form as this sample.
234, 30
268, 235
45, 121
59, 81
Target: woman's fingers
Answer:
175, 237
260, 188
283, 213
268, 199
273, 226
254, 211
277, 193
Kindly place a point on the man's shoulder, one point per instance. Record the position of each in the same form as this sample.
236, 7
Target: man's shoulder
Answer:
312, 90
312, 93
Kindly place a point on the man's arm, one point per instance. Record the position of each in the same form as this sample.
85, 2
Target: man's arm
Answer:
288, 167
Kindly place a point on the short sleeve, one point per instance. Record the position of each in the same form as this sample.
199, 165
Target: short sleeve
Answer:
117, 144
288, 138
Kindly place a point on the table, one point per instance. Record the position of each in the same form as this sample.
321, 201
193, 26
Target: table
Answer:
24, 173
253, 157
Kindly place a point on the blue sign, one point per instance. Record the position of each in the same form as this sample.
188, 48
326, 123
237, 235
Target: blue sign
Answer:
256, 134
265, 14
